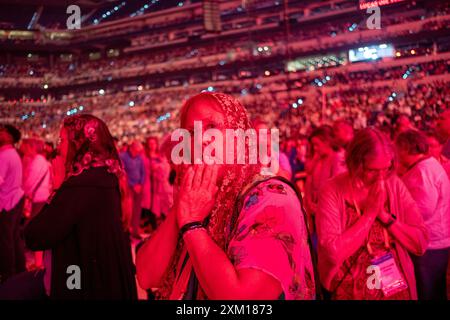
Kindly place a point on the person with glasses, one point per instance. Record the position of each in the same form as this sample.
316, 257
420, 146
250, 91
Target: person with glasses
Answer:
368, 224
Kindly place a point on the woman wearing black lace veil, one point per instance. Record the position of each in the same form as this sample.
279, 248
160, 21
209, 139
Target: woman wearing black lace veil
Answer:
82, 225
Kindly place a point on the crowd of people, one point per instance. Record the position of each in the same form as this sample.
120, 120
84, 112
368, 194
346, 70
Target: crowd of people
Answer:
372, 195
81, 69
138, 113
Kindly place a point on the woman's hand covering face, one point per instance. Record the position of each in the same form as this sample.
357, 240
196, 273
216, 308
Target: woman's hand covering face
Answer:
197, 194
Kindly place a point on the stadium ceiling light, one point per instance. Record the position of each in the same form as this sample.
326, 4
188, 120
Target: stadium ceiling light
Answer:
109, 13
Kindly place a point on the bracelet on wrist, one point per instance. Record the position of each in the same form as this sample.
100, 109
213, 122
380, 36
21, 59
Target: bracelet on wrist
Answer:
190, 226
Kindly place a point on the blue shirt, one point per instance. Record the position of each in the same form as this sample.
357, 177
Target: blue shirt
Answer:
134, 167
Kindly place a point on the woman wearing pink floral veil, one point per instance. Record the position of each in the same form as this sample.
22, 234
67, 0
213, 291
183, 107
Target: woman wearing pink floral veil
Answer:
231, 234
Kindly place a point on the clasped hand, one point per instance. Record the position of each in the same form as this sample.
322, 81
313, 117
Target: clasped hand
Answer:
375, 203
197, 194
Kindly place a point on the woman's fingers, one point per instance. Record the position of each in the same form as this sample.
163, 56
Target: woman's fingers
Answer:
198, 176
213, 181
188, 179
207, 174
379, 198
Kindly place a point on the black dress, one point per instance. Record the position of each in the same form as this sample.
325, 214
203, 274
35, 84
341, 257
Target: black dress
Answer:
82, 226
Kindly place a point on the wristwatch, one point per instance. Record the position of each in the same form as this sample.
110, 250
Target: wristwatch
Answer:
392, 219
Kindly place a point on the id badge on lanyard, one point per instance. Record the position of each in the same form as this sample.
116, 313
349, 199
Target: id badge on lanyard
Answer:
389, 275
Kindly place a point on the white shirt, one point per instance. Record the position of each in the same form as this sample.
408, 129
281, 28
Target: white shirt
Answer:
429, 186
10, 178
37, 169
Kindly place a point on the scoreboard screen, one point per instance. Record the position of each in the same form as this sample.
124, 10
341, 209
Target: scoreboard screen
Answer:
371, 52
364, 4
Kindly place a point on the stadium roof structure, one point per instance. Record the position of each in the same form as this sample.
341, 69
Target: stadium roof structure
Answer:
51, 14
